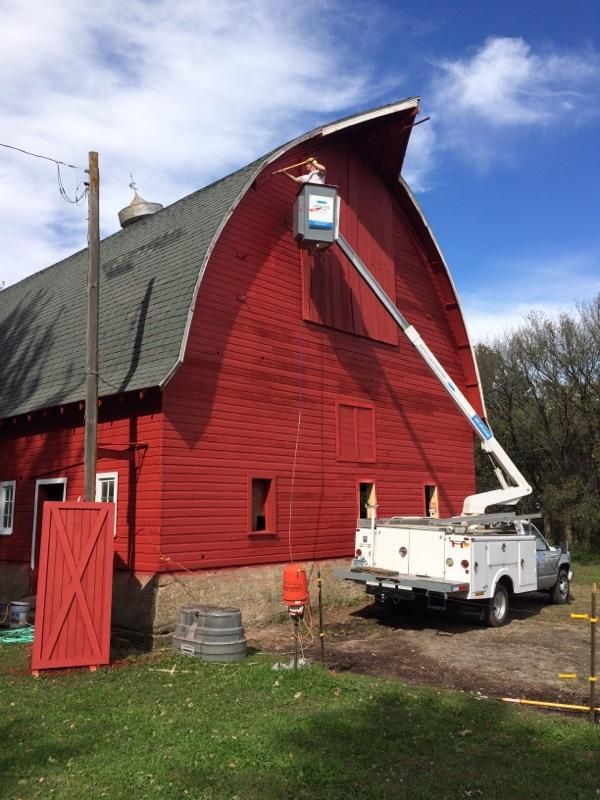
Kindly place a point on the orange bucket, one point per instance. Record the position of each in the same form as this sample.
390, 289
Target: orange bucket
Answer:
295, 585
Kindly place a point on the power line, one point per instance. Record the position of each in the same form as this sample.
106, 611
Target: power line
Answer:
36, 155
77, 199
61, 187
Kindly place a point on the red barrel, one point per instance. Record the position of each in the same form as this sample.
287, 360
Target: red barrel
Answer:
295, 585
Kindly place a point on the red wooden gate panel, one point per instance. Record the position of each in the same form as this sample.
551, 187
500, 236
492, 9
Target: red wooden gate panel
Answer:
74, 591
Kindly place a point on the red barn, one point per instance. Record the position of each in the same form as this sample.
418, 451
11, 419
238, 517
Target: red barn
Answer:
254, 396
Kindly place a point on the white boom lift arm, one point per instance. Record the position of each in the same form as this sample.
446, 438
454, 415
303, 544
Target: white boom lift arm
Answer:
514, 486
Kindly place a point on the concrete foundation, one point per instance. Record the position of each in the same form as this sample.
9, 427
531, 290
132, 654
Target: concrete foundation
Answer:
148, 605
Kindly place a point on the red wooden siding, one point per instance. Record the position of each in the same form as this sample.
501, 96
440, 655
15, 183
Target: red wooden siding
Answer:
257, 392
49, 445
74, 593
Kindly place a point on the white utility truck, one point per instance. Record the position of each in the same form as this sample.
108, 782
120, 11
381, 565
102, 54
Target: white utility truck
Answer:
474, 557
484, 559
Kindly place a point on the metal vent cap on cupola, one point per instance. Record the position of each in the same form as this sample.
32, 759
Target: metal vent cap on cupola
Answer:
137, 209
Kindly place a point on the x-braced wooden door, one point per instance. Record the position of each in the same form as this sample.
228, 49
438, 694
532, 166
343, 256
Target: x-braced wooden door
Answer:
74, 591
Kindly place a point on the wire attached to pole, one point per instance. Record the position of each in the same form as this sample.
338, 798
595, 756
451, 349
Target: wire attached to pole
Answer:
297, 441
37, 155
61, 188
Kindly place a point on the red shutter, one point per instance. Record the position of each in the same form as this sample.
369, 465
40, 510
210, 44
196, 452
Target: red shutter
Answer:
346, 433
365, 434
355, 431
333, 293
374, 242
327, 293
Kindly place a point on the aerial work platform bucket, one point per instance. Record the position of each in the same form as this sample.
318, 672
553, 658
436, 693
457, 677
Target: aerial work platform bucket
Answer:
316, 215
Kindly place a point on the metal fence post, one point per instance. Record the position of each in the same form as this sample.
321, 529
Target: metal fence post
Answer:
593, 623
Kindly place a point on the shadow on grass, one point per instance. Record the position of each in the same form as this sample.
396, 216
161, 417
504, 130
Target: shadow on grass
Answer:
123, 649
211, 732
408, 746
32, 751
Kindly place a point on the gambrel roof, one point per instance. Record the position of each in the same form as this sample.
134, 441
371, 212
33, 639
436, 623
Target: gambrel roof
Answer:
150, 274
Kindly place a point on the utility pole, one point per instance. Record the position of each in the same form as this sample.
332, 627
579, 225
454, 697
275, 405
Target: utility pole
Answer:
91, 369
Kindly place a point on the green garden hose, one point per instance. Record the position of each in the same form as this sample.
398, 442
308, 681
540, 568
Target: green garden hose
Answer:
22, 635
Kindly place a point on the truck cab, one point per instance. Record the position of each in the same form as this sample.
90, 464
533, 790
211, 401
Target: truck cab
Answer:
553, 566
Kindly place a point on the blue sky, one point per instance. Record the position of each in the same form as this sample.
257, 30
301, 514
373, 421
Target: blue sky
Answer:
507, 170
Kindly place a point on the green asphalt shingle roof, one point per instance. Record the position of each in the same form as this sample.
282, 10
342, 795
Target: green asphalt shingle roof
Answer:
148, 275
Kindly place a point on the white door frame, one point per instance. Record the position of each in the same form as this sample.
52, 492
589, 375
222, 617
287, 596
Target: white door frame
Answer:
38, 483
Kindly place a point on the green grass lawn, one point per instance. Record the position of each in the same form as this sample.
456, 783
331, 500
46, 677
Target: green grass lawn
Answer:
586, 573
246, 731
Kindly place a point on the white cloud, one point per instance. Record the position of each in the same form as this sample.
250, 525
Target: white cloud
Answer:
420, 157
552, 285
178, 93
506, 83
477, 102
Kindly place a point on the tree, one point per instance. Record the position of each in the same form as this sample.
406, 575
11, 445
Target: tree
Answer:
542, 389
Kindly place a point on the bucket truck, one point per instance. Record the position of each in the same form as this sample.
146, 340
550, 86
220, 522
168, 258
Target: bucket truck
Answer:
477, 557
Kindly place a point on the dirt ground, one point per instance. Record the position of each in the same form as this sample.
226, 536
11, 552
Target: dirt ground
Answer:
454, 649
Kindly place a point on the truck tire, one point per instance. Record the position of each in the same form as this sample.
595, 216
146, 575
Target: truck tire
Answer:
560, 593
496, 613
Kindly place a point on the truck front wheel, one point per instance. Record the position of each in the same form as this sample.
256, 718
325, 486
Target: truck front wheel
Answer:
497, 611
560, 593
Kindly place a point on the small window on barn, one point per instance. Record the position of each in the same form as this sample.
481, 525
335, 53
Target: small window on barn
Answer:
367, 500
106, 490
431, 500
355, 430
7, 507
262, 505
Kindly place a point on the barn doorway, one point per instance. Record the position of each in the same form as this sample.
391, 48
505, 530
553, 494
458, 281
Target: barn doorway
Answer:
367, 500
431, 500
45, 489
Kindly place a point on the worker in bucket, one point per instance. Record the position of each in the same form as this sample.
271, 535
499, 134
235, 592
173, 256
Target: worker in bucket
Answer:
313, 172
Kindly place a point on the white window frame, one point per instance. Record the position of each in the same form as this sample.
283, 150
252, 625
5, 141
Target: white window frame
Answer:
100, 476
7, 531
38, 483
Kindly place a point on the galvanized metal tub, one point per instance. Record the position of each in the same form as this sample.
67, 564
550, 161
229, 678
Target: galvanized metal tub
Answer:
212, 633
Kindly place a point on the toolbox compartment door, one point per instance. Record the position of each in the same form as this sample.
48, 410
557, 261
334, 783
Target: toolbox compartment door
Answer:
502, 553
390, 549
427, 553
527, 570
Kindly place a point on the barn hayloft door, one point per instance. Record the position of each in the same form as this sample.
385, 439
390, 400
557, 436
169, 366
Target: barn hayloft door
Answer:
74, 592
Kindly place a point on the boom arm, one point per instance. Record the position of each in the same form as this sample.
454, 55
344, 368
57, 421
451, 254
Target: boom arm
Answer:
514, 486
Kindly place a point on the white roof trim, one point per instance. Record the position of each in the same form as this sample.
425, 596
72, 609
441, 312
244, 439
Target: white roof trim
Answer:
393, 108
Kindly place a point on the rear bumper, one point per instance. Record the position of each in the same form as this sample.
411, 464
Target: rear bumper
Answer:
387, 581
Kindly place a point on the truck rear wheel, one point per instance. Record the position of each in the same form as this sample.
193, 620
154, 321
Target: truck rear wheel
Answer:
560, 593
496, 614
